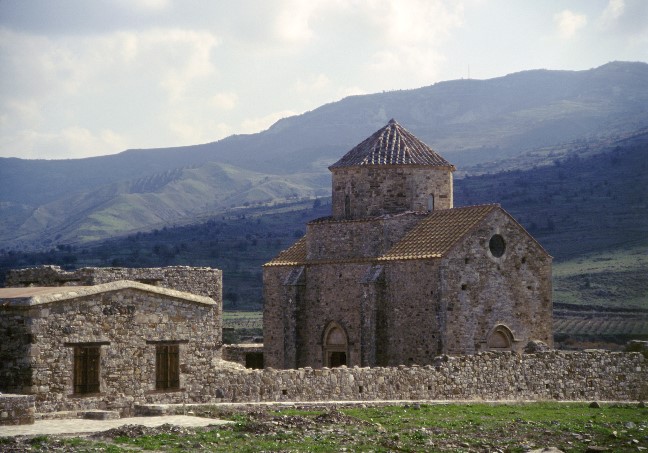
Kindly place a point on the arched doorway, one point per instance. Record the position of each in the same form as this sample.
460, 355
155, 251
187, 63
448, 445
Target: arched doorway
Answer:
335, 346
500, 338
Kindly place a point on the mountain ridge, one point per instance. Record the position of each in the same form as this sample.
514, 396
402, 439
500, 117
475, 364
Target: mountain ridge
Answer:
470, 122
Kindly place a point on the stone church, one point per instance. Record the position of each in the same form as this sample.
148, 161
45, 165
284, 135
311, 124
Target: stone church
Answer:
397, 275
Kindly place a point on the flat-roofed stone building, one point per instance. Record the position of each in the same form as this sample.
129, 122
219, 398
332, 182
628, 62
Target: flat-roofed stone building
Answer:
107, 346
397, 275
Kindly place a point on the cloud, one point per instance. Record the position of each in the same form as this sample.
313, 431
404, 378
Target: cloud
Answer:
292, 21
413, 37
625, 17
225, 101
145, 5
116, 81
69, 143
569, 23
313, 83
613, 11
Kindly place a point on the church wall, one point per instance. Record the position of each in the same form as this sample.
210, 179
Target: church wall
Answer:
333, 293
410, 313
481, 291
336, 240
273, 313
389, 189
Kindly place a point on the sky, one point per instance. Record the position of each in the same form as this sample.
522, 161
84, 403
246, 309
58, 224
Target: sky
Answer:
84, 78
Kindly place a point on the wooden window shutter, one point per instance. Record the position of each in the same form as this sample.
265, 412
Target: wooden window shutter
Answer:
167, 366
174, 366
87, 364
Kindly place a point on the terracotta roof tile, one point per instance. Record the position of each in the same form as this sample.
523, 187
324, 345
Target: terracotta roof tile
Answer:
292, 256
435, 235
392, 145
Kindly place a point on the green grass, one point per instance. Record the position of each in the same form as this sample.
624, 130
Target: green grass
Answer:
243, 319
612, 279
571, 427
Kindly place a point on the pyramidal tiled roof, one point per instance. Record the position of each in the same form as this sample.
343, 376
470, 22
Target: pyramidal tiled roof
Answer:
436, 234
392, 145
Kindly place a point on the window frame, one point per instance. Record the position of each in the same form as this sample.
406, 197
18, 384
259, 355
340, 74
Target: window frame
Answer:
167, 366
164, 377
86, 367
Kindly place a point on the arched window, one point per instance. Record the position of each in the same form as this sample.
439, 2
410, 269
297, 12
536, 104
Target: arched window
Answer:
430, 202
500, 338
335, 346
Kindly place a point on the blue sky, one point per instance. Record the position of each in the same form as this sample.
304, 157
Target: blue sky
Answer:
82, 78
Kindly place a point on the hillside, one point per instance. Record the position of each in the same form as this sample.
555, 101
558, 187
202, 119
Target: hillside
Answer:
480, 125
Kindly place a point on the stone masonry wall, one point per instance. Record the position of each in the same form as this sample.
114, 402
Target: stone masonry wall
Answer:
480, 291
239, 353
383, 190
203, 281
16, 409
335, 240
553, 375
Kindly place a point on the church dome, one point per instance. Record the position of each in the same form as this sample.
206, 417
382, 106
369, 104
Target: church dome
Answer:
392, 145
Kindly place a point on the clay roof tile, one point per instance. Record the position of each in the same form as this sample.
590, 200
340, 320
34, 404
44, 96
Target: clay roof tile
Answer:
392, 145
436, 234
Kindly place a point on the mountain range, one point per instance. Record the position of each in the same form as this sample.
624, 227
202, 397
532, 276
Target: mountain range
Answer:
522, 120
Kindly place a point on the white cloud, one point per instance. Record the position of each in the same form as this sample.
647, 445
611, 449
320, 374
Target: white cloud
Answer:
317, 82
225, 100
625, 18
68, 143
292, 22
416, 21
145, 5
414, 36
120, 80
569, 23
613, 11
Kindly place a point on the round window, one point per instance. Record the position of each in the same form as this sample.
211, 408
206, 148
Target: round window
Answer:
497, 245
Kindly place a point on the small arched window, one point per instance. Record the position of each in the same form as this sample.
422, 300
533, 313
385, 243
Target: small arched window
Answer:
430, 202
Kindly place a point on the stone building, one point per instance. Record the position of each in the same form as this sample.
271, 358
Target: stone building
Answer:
397, 275
107, 346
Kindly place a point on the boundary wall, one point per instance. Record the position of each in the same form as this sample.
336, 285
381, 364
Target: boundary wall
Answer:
553, 375
490, 376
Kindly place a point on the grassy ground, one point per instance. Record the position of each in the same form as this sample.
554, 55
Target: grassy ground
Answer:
242, 326
571, 427
612, 279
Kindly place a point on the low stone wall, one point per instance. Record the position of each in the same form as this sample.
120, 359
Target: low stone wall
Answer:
553, 375
16, 409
